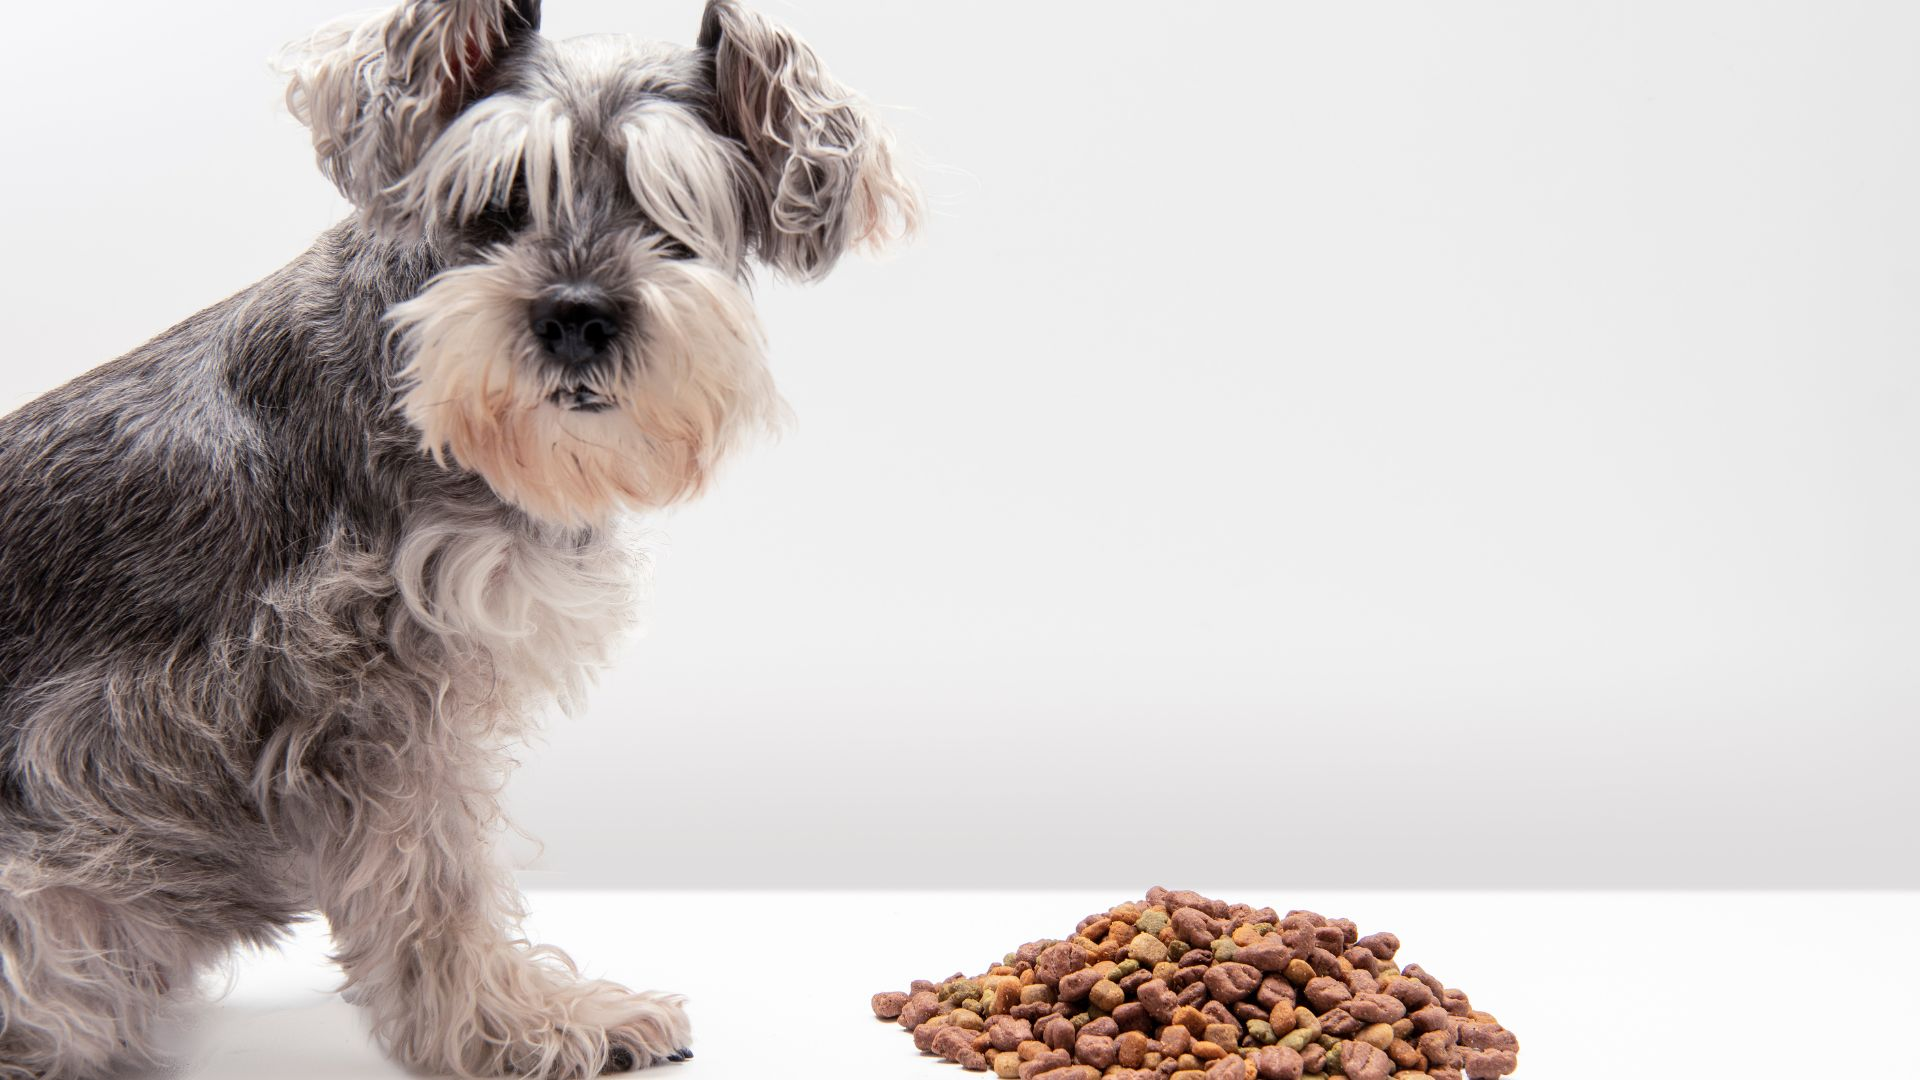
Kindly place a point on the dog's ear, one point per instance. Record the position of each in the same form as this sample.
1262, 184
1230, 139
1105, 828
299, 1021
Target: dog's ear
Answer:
825, 166
377, 92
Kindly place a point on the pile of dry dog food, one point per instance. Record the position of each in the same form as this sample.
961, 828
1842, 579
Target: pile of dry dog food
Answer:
1180, 987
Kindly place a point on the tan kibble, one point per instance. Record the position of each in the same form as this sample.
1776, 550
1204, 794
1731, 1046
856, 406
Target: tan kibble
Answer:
1378, 1036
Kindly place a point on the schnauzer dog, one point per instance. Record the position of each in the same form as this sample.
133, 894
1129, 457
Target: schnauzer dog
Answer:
279, 588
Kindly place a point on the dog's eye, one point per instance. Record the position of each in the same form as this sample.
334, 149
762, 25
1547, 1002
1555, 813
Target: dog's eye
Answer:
673, 249
500, 221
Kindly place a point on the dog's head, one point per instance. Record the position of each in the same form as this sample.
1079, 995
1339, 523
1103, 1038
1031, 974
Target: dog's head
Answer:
590, 345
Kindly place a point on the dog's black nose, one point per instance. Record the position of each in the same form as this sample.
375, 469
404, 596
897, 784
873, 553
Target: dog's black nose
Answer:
574, 329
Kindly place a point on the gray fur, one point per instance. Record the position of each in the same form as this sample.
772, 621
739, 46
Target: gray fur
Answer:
266, 627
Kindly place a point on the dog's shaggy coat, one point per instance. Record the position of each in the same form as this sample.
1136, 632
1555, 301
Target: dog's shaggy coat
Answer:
278, 587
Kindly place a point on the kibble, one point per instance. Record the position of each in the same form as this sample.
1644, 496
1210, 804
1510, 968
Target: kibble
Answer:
1183, 987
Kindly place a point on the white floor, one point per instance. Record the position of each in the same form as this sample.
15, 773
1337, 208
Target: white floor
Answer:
1661, 984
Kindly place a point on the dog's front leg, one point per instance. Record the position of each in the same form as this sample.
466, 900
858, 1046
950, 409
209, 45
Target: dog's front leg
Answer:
425, 923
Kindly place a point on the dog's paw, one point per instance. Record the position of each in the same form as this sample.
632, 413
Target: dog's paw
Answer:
654, 1032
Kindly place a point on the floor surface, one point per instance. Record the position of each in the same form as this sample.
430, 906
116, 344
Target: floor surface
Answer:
1665, 984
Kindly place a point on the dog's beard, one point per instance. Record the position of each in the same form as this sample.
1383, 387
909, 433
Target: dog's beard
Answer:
643, 429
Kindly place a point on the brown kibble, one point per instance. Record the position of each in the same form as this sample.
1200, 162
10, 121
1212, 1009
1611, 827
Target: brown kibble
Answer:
1058, 961
1363, 1061
1130, 1049
1489, 1064
1107, 995
1030, 1049
1340, 1023
1057, 1032
1431, 1018
1071, 1072
1376, 1008
1008, 1033
1231, 981
1275, 992
1188, 1074
1006, 1065
1095, 1050
949, 1040
1439, 1050
1277, 1063
1227, 1068
1074, 985
924, 1033
1380, 945
1298, 971
1217, 1013
1411, 993
888, 1006
920, 1007
1485, 1037
1208, 1051
1267, 954
1194, 926
1324, 993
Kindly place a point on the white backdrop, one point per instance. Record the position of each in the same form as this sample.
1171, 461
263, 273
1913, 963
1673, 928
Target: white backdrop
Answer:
1461, 444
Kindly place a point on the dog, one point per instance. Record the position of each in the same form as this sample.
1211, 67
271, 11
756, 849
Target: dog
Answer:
280, 587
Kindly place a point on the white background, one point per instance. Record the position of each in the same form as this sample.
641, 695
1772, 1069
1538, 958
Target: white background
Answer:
1401, 444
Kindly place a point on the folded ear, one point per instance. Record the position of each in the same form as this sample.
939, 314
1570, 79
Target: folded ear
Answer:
825, 165
377, 93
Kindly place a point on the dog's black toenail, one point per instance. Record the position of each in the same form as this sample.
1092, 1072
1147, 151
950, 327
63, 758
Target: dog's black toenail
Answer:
686, 1053
675, 1057
619, 1059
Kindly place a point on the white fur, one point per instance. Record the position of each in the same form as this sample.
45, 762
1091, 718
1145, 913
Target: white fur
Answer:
684, 396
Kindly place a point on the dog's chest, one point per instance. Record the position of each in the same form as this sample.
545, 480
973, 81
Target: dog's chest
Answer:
537, 612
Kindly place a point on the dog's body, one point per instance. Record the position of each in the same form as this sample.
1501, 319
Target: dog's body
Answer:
277, 588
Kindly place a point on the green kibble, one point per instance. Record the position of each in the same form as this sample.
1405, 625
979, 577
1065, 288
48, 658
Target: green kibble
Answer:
1327, 1041
1333, 1060
1263, 927
1151, 922
1177, 948
1124, 968
1081, 1020
1224, 950
1305, 1020
1295, 1040
1261, 1032
960, 988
